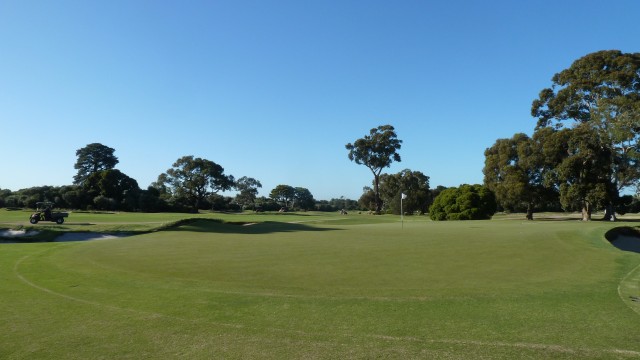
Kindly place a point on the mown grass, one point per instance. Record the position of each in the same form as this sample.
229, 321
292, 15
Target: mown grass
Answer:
324, 286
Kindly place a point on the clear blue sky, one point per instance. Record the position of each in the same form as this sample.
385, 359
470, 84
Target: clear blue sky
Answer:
275, 89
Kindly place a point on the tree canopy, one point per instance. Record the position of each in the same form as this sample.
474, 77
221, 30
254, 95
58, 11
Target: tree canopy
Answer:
283, 195
247, 191
519, 170
303, 198
93, 158
414, 184
192, 180
117, 189
598, 99
376, 151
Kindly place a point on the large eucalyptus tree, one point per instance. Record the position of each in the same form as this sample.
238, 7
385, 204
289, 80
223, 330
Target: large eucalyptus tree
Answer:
376, 151
598, 95
191, 180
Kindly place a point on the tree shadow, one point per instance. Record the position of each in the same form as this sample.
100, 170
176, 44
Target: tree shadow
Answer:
249, 228
625, 238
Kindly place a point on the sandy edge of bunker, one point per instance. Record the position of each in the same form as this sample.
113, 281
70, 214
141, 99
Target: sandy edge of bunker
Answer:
85, 236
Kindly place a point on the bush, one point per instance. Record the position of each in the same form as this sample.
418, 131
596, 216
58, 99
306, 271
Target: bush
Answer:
467, 202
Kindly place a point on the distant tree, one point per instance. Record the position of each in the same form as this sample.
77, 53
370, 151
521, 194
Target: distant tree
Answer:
376, 151
150, 201
222, 203
4, 193
519, 170
93, 158
601, 92
283, 195
191, 180
247, 191
266, 204
467, 202
343, 203
368, 199
583, 175
433, 193
164, 191
414, 184
72, 199
324, 205
628, 204
101, 202
303, 198
115, 185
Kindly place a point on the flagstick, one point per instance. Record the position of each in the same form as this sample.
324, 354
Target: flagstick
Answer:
401, 212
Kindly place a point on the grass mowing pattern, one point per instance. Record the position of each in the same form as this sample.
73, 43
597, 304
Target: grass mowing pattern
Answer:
494, 289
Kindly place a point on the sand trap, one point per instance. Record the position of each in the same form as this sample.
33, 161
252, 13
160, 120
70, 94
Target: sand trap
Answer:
84, 236
17, 233
627, 243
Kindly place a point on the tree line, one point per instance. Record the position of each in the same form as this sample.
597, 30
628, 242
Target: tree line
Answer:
191, 184
583, 154
585, 149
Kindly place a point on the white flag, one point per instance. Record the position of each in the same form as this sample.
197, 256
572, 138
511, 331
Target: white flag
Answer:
404, 196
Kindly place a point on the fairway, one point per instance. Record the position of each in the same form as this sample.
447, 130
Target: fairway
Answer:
326, 287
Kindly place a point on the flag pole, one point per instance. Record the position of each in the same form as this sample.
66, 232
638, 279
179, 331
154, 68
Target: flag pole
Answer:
402, 196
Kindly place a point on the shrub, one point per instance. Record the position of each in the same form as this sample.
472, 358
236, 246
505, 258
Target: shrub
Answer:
467, 202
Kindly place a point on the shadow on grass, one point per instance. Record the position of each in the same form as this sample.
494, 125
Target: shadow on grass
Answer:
193, 225
625, 238
267, 227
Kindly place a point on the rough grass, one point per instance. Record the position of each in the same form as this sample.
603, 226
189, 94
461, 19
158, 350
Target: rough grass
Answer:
324, 286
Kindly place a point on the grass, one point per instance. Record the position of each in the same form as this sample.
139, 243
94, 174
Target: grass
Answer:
322, 286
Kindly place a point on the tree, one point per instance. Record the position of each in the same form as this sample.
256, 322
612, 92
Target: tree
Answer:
600, 91
247, 191
266, 204
104, 203
368, 199
583, 174
343, 203
113, 184
467, 202
283, 195
192, 180
433, 193
518, 170
303, 198
150, 201
91, 159
414, 184
4, 193
376, 151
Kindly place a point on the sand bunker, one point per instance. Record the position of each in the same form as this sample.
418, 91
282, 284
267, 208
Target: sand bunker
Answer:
627, 243
17, 233
84, 236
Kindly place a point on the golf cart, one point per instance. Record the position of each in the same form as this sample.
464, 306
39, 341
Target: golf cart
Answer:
44, 213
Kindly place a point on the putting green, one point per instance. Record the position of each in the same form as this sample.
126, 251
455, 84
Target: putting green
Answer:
491, 288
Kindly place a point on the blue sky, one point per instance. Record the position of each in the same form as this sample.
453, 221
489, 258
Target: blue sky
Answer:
275, 89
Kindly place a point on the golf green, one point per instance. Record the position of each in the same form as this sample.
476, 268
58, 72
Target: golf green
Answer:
325, 288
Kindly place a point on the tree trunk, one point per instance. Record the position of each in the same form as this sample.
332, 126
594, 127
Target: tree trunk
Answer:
529, 212
610, 213
586, 211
